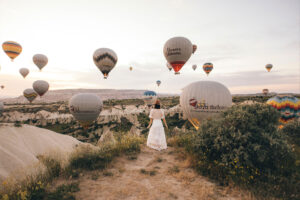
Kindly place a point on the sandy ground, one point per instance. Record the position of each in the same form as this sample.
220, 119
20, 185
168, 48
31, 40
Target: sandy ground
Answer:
173, 179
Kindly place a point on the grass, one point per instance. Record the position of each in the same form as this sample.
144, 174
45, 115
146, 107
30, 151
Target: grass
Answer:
83, 158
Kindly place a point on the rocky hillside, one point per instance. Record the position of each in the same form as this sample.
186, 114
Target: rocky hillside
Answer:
64, 95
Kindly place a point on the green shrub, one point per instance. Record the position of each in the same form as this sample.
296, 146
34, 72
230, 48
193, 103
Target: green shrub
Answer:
245, 146
292, 130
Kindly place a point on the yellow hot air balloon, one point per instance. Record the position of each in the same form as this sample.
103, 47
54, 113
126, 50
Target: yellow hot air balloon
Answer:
12, 49
130, 68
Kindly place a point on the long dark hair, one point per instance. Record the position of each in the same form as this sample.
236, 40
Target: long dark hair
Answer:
157, 106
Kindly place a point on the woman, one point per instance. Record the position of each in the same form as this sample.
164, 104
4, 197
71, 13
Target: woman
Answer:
156, 138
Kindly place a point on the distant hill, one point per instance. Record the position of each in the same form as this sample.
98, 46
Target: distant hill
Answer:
64, 95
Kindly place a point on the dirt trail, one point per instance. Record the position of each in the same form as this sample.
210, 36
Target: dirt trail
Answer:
153, 175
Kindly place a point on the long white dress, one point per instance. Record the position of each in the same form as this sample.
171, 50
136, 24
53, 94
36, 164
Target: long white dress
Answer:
156, 138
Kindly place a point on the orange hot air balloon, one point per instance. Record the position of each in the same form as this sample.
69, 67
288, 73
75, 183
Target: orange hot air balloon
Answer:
12, 49
269, 67
208, 67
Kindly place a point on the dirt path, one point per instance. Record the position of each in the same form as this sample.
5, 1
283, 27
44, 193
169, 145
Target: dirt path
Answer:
153, 175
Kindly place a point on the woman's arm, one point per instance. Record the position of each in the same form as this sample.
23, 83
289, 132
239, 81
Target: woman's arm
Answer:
165, 122
150, 123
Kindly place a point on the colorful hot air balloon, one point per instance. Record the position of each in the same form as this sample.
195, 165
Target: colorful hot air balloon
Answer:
265, 91
85, 107
149, 98
203, 99
194, 48
158, 82
194, 67
130, 68
30, 94
40, 87
12, 49
40, 61
287, 105
105, 59
177, 51
169, 66
269, 67
1, 107
208, 67
24, 72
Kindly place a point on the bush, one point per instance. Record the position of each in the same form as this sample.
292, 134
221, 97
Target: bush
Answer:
292, 130
244, 146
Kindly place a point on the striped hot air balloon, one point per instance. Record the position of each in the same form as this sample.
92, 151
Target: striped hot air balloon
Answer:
149, 98
287, 105
105, 59
30, 94
208, 67
12, 49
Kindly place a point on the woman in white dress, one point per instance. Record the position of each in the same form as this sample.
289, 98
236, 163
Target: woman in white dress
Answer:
156, 138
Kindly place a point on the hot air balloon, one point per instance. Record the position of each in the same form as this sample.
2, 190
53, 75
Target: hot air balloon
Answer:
269, 67
40, 87
149, 98
105, 59
194, 67
40, 61
194, 48
287, 105
203, 99
85, 107
2, 86
158, 82
24, 72
12, 49
1, 107
177, 51
169, 66
130, 68
208, 67
30, 94
265, 91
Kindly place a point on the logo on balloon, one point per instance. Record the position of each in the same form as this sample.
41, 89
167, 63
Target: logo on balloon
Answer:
175, 51
202, 106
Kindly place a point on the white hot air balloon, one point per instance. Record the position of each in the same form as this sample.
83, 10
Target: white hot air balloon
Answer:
24, 72
1, 107
30, 94
204, 99
194, 67
177, 51
40, 61
40, 87
85, 107
105, 59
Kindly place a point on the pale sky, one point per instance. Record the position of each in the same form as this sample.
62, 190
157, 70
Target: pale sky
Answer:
238, 36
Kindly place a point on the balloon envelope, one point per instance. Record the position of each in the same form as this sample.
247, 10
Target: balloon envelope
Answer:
269, 67
203, 99
40, 60
30, 94
194, 67
288, 106
158, 82
149, 98
207, 68
105, 59
130, 68
194, 48
24, 72
12, 49
177, 51
265, 91
85, 107
40, 87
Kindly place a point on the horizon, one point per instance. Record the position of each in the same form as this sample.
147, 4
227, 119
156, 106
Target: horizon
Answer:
238, 37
